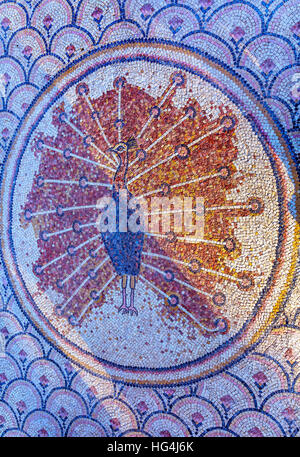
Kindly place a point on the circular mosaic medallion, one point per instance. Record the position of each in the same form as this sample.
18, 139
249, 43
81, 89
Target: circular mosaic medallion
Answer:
195, 285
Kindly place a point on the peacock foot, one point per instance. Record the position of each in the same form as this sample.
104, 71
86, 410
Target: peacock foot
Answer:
132, 310
123, 309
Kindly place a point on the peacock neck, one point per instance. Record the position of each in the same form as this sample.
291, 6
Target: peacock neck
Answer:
120, 178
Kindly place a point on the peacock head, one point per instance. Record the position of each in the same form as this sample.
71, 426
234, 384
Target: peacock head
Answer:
121, 149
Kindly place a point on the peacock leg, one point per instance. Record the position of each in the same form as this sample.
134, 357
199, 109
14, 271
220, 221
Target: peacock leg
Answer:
124, 308
132, 308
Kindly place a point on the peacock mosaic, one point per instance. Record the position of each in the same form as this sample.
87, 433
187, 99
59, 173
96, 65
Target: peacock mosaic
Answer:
179, 326
116, 294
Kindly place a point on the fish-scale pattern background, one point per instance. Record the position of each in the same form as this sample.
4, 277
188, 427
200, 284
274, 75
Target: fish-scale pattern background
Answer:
41, 392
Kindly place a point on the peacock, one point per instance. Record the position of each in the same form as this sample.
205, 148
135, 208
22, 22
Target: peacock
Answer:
127, 139
124, 248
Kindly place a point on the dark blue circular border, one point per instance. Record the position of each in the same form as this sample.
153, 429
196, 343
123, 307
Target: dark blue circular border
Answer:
236, 102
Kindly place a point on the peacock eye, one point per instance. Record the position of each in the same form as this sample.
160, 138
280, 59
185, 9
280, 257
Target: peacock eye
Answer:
120, 148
